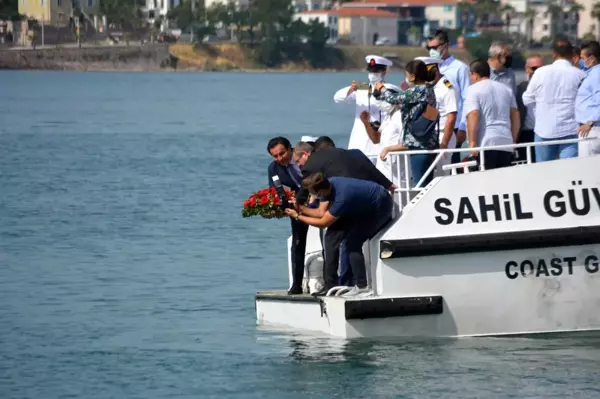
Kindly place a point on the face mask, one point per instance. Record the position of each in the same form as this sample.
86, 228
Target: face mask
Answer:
435, 53
508, 62
409, 83
582, 65
386, 108
375, 77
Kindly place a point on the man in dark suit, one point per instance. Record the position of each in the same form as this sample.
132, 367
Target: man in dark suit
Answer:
290, 176
526, 134
337, 162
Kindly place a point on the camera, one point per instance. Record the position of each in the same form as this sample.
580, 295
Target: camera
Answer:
281, 193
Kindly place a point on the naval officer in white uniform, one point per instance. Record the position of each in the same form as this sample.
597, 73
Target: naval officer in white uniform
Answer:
364, 100
447, 100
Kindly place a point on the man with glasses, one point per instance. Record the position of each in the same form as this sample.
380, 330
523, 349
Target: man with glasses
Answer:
457, 72
527, 113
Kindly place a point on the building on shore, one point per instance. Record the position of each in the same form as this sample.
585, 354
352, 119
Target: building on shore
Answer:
364, 26
58, 12
541, 21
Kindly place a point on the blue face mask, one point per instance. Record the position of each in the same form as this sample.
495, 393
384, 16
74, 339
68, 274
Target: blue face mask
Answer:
582, 65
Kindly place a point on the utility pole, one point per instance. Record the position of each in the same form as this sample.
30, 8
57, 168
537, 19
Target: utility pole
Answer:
193, 3
43, 17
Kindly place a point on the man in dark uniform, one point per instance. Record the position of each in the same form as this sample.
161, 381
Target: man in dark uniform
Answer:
337, 162
289, 174
526, 134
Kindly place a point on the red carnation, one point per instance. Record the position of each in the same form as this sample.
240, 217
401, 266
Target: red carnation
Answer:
264, 200
252, 201
273, 191
276, 201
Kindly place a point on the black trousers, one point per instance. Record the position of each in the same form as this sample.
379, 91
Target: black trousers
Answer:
299, 231
526, 136
495, 159
355, 229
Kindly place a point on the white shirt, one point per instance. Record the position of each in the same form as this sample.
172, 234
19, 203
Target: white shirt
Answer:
493, 100
391, 134
359, 139
447, 102
553, 89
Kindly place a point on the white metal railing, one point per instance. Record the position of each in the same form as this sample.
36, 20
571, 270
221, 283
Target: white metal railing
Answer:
400, 160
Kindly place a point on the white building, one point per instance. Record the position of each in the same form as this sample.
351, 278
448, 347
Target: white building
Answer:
588, 24
441, 14
566, 24
159, 8
356, 25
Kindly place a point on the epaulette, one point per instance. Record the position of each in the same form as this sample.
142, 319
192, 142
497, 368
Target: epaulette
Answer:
447, 83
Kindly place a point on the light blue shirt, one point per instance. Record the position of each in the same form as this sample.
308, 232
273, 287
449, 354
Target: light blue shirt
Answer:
457, 72
587, 102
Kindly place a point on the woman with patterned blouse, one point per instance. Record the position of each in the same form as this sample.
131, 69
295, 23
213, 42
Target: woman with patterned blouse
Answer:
420, 119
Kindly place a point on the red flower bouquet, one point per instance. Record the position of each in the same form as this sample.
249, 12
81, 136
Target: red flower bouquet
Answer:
265, 203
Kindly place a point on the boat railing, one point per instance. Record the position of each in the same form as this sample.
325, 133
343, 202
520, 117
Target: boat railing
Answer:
400, 161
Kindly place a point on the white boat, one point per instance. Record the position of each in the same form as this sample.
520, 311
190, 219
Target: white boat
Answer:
500, 252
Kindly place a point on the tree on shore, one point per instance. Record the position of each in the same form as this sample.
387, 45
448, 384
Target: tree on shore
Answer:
9, 10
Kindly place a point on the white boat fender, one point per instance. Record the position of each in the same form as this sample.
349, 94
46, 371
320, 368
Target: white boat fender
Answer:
313, 273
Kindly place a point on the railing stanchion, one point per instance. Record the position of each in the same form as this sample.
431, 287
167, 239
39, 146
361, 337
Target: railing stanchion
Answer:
528, 149
408, 173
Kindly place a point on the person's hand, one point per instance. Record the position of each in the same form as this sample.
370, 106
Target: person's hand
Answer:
461, 136
379, 86
383, 154
353, 86
443, 145
583, 131
291, 213
393, 188
404, 86
365, 117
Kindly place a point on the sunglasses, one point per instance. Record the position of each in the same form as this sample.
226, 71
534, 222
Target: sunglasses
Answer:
534, 68
434, 47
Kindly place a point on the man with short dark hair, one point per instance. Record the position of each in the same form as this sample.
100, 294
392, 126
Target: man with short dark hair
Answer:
492, 117
587, 103
457, 72
289, 174
553, 89
324, 142
527, 135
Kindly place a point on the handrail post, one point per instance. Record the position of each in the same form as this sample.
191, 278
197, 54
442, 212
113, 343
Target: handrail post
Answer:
482, 158
529, 149
408, 172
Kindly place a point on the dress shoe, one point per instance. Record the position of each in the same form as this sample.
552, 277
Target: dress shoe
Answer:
295, 291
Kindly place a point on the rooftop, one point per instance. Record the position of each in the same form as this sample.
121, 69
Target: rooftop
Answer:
354, 12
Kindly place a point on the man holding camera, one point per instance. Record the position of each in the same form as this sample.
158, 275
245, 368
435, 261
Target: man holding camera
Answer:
287, 173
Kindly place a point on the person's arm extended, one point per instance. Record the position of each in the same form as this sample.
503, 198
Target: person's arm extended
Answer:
472, 124
448, 129
515, 123
373, 134
315, 212
401, 97
322, 222
529, 95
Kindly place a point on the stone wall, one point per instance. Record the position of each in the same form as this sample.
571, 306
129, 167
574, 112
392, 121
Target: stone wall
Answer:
105, 58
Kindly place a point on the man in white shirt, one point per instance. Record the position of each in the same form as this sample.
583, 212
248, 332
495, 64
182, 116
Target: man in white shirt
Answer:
492, 116
526, 135
364, 101
553, 89
500, 62
446, 99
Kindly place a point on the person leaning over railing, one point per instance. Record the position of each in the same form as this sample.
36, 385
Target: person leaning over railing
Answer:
356, 210
420, 118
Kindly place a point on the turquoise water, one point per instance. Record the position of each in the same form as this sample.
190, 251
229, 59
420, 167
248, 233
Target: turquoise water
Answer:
126, 270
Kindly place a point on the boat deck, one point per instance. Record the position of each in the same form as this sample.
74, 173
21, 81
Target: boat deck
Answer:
282, 295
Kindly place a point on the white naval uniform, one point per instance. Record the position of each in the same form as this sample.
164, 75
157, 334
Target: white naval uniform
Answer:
446, 98
359, 139
391, 134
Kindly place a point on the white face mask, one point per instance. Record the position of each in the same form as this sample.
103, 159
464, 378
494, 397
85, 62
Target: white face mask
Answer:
409, 83
435, 53
375, 77
385, 107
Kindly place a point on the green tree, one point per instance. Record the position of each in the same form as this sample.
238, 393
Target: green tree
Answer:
9, 9
465, 9
530, 14
509, 12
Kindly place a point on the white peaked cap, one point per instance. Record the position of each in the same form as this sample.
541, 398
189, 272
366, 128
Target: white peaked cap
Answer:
306, 139
378, 60
429, 60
